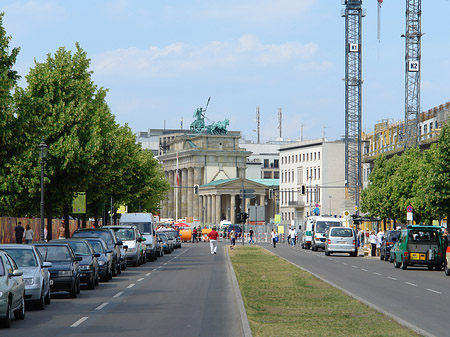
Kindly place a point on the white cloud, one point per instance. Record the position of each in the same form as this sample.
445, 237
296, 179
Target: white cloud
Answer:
261, 11
178, 58
35, 11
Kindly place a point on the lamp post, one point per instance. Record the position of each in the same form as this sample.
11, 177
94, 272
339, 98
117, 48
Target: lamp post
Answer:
43, 148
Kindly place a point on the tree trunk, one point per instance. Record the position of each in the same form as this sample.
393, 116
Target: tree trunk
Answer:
66, 220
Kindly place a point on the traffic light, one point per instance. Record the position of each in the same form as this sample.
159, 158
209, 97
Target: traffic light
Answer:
243, 217
270, 193
196, 189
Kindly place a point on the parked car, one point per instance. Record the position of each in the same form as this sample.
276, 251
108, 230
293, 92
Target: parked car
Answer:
12, 290
35, 273
419, 245
145, 223
341, 240
166, 246
65, 270
111, 240
89, 260
104, 260
175, 236
131, 238
389, 238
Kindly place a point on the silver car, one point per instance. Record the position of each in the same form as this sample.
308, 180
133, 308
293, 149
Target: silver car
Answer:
341, 240
12, 291
35, 273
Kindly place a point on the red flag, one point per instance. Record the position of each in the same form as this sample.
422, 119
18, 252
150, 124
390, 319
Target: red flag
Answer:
178, 179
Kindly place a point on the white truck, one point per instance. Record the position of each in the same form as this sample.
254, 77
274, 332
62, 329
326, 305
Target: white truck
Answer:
319, 230
146, 225
307, 230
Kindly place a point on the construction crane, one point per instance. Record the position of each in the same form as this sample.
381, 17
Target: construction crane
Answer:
353, 14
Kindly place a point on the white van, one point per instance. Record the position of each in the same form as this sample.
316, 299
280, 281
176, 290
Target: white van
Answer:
341, 240
320, 227
146, 225
307, 230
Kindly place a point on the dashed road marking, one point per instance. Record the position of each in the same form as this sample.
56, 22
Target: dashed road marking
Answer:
392, 278
434, 291
364, 269
139, 280
77, 323
354, 266
118, 294
377, 273
131, 286
412, 284
345, 264
148, 274
101, 306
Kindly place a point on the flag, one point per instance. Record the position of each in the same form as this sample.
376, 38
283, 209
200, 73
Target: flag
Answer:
178, 179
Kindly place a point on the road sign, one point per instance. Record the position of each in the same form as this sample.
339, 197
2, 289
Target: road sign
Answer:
248, 194
346, 213
316, 211
409, 209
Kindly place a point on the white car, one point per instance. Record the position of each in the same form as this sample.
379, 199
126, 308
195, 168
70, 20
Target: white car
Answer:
35, 272
341, 240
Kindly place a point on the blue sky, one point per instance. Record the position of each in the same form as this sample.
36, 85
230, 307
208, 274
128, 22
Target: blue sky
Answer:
161, 60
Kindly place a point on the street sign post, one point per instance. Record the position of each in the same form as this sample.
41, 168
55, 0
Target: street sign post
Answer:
248, 193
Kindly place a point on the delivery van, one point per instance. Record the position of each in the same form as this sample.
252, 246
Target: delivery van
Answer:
307, 230
146, 225
320, 227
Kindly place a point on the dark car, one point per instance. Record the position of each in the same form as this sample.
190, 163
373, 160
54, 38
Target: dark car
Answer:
105, 258
162, 238
175, 236
110, 238
65, 269
389, 239
89, 262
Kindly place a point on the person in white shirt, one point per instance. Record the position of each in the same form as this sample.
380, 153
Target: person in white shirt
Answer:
274, 236
373, 243
292, 234
380, 237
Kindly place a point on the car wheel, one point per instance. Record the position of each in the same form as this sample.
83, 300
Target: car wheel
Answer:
152, 257
144, 259
6, 321
327, 253
96, 278
405, 265
20, 313
73, 291
78, 286
439, 267
119, 269
397, 264
386, 258
430, 267
381, 256
110, 273
446, 269
40, 304
48, 298
353, 254
91, 283
114, 268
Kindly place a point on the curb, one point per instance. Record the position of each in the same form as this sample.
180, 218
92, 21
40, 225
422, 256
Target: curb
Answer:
356, 297
246, 331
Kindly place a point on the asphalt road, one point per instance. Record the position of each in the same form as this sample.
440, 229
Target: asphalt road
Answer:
418, 296
186, 293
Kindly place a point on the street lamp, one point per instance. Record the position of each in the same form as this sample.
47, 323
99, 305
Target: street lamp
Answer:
43, 148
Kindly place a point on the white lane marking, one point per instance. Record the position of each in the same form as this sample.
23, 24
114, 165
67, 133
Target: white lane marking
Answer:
148, 274
434, 291
118, 294
330, 259
412, 284
131, 285
377, 273
77, 323
155, 269
139, 280
364, 269
392, 278
354, 266
345, 264
101, 306
166, 263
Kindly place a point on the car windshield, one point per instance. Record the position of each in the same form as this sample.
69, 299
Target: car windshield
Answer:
55, 253
96, 245
162, 236
80, 248
2, 269
392, 234
95, 234
143, 227
423, 236
125, 233
321, 226
342, 232
23, 257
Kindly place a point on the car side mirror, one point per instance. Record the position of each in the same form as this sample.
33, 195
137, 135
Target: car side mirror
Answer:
46, 264
109, 252
119, 243
78, 258
144, 239
139, 240
97, 255
16, 273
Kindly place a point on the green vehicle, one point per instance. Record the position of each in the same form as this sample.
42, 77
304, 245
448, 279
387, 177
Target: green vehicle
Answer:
419, 245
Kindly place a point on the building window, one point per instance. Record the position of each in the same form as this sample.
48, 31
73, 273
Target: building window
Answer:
315, 177
303, 157
318, 173
266, 163
276, 175
275, 163
267, 174
307, 157
318, 155
315, 156
425, 129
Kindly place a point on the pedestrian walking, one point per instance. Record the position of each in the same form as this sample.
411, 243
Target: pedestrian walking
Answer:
373, 243
251, 236
194, 235
19, 230
292, 235
274, 236
380, 236
62, 231
28, 235
213, 236
232, 239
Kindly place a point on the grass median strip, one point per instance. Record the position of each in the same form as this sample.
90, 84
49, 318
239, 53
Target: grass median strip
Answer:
282, 300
